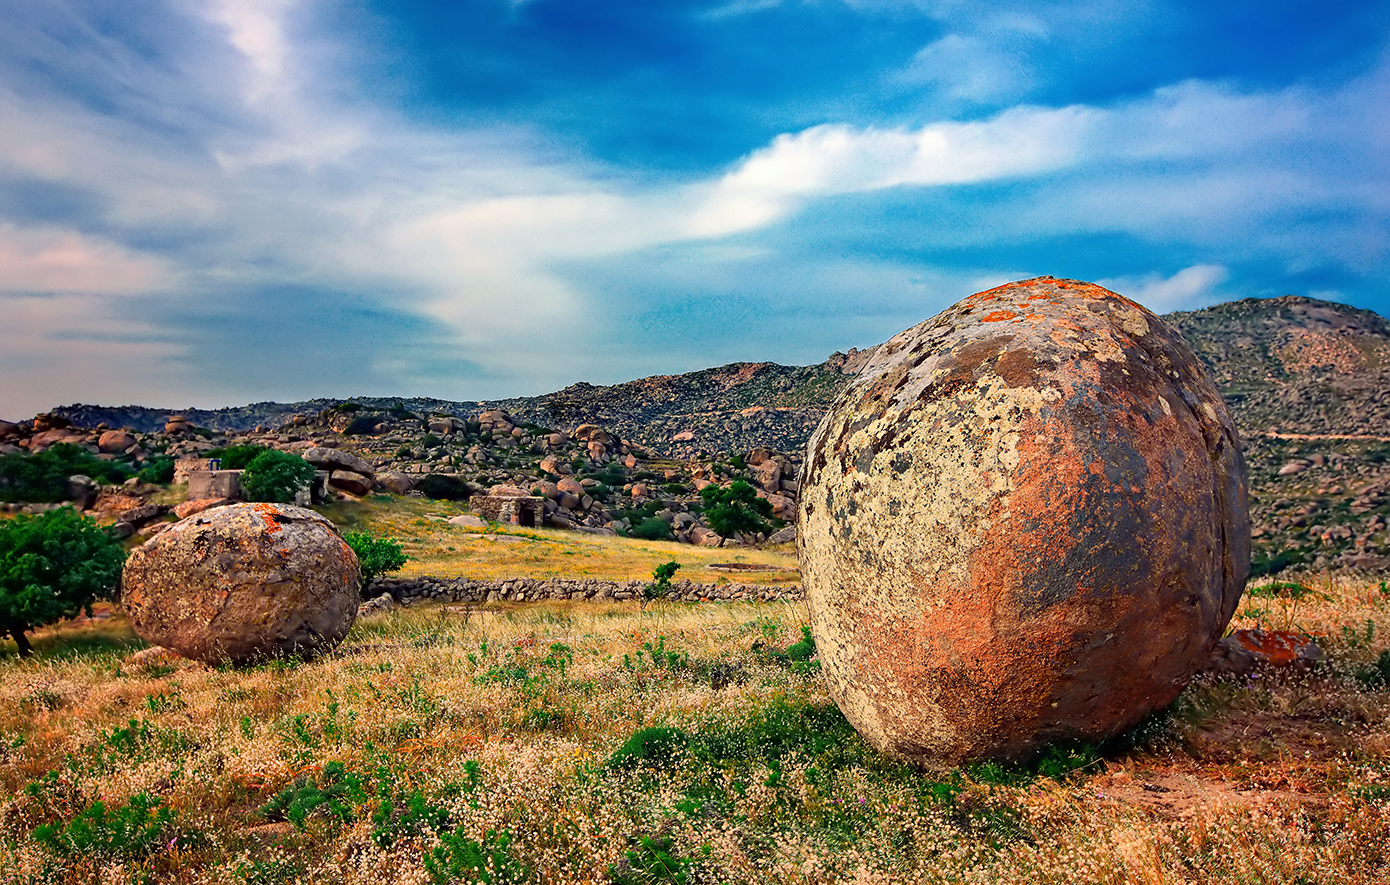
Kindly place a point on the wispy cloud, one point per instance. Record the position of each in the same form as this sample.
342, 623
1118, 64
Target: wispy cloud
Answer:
1190, 287
234, 167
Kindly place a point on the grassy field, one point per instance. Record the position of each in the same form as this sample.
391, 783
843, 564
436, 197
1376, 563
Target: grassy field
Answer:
437, 548
586, 742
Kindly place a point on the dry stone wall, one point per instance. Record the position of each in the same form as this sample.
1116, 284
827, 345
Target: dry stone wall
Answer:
409, 590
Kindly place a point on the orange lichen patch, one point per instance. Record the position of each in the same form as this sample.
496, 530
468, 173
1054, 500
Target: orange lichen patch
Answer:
1278, 648
268, 513
998, 316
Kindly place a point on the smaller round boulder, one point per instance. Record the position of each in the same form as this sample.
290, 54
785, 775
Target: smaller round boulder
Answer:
242, 584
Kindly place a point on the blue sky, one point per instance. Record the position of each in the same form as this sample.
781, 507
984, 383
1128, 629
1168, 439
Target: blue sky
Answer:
214, 202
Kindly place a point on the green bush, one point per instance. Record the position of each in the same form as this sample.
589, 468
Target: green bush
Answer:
235, 457
460, 859
159, 470
362, 424
376, 556
405, 816
654, 747
651, 529
43, 477
650, 862
805, 649
334, 795
127, 831
53, 566
660, 584
276, 476
735, 509
441, 487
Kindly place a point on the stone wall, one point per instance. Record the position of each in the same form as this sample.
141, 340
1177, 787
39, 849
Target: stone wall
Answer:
184, 466
408, 590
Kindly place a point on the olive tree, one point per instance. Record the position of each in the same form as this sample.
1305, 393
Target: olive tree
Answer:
51, 567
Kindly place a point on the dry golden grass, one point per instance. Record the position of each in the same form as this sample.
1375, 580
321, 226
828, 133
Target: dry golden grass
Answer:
506, 720
437, 548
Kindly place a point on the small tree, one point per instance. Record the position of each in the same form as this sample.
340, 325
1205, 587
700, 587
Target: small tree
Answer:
276, 476
735, 509
51, 567
375, 556
43, 477
661, 582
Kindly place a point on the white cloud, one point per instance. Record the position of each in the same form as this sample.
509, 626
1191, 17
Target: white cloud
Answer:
1189, 288
839, 159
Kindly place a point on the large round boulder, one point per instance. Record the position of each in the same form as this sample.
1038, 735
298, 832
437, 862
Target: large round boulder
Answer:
1024, 522
243, 583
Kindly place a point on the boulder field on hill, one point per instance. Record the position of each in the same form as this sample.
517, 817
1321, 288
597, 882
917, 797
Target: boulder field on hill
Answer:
1024, 522
1306, 382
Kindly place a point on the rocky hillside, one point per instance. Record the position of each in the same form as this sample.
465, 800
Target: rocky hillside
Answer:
1296, 365
731, 408
1308, 382
1287, 365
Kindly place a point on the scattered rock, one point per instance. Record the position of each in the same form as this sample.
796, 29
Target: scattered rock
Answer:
115, 442
1024, 522
350, 481
82, 490
703, 537
783, 536
376, 605
198, 505
336, 459
468, 521
395, 482
1245, 651
243, 583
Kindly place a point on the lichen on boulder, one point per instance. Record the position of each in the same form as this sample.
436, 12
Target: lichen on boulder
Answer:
244, 583
1024, 522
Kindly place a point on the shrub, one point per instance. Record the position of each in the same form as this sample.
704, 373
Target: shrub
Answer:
406, 816
651, 529
805, 649
375, 556
460, 859
735, 509
361, 424
661, 579
335, 795
125, 832
159, 470
43, 477
235, 457
650, 862
276, 476
51, 567
654, 747
442, 487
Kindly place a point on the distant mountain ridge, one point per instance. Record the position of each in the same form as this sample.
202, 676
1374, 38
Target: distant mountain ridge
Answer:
1291, 365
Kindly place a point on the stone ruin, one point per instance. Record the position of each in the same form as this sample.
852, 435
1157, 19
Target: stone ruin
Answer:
518, 510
